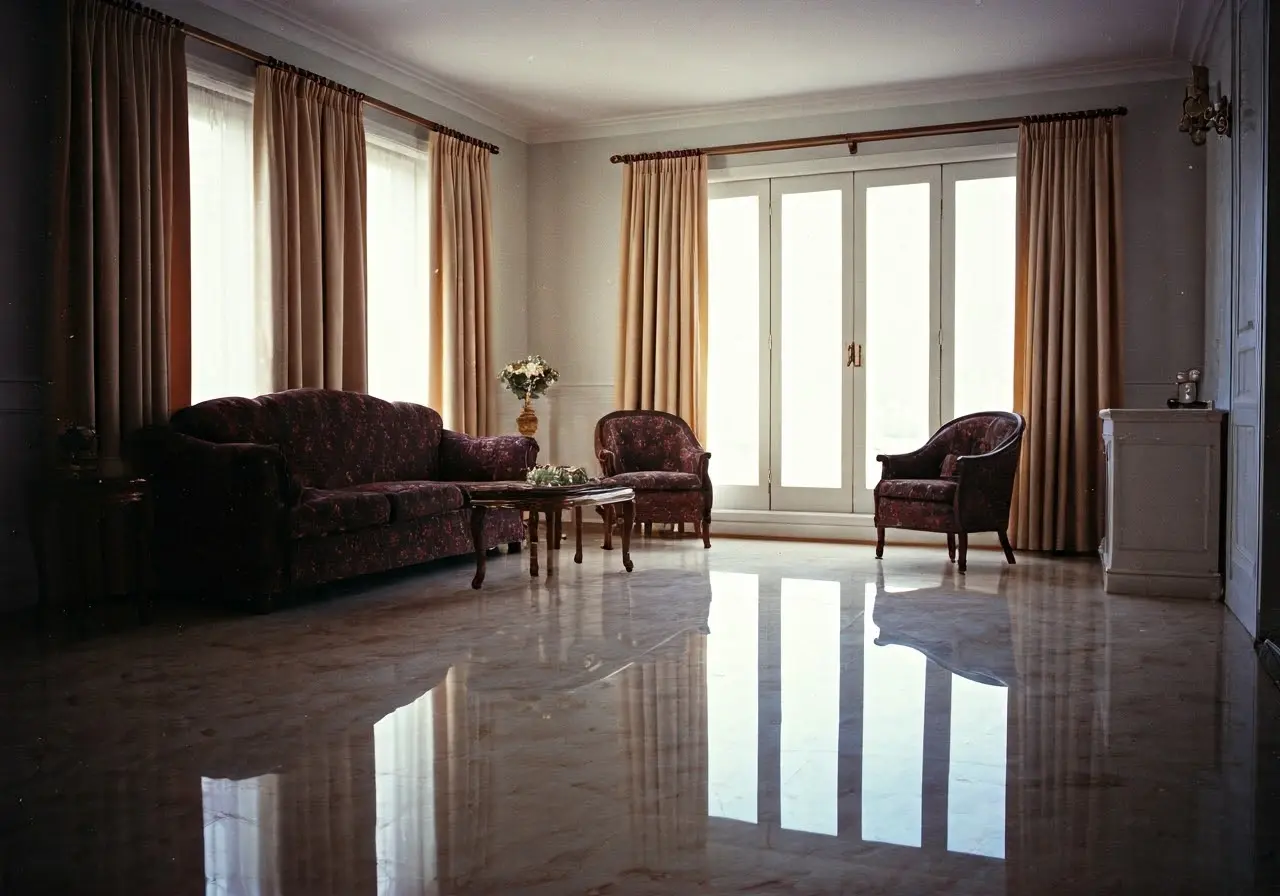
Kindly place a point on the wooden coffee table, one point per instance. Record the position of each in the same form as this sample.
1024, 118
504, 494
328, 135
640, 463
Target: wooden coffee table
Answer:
551, 500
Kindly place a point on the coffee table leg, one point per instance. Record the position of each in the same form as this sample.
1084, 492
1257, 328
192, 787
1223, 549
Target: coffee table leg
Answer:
478, 514
577, 534
533, 543
628, 521
551, 543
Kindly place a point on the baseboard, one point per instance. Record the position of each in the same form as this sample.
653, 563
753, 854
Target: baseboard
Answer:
1149, 584
852, 528
1269, 656
825, 533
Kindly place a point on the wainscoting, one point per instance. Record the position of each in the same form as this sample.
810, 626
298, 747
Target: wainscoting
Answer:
567, 423
20, 417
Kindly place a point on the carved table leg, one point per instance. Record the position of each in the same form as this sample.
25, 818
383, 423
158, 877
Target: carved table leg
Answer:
628, 521
533, 543
478, 514
577, 534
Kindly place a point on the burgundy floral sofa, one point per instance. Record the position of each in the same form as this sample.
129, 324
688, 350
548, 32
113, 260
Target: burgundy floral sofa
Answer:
959, 483
657, 455
259, 496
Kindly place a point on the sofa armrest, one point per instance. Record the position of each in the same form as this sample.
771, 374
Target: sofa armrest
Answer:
221, 509
608, 463
923, 463
695, 460
465, 458
985, 491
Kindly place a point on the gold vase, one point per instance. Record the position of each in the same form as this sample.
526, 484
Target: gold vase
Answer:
527, 422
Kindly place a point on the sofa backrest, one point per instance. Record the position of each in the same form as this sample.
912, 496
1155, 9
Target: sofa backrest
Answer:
982, 433
644, 441
330, 439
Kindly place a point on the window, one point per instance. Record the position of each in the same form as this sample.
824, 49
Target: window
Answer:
399, 284
230, 330
850, 315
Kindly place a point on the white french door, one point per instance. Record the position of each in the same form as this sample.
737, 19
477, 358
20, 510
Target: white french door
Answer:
811, 324
850, 315
896, 350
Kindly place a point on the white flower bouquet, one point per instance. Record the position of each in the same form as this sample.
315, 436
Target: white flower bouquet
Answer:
550, 474
529, 378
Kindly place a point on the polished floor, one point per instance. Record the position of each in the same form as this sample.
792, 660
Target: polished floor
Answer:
759, 718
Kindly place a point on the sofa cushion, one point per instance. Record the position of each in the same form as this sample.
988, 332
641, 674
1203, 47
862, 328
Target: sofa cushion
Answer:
658, 481
935, 491
330, 439
416, 500
329, 511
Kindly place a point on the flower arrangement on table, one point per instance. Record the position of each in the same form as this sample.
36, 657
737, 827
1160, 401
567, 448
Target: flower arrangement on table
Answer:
529, 378
551, 474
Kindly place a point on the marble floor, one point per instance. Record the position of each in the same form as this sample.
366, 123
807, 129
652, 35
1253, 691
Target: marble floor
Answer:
760, 717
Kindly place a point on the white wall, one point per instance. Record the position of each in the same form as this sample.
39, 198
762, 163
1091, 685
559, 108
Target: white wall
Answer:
510, 169
1220, 226
575, 211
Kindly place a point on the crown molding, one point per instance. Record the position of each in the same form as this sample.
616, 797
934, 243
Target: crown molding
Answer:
278, 19
918, 93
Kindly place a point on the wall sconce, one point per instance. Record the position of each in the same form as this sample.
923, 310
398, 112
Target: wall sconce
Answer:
1199, 114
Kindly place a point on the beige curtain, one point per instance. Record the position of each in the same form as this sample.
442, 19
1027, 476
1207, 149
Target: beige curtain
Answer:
464, 780
662, 343
461, 250
1067, 325
119, 333
663, 736
309, 160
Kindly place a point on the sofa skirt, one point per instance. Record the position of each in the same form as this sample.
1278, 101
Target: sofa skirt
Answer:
316, 561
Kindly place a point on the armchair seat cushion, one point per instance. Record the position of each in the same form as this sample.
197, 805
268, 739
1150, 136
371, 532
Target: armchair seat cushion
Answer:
416, 500
658, 481
325, 511
933, 491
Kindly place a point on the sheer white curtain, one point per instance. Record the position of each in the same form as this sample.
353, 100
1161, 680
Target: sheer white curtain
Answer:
241, 836
399, 287
230, 331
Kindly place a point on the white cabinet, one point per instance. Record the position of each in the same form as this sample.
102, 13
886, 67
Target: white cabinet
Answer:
1163, 500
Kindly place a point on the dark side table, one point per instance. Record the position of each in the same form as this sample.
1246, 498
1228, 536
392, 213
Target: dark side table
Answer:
92, 539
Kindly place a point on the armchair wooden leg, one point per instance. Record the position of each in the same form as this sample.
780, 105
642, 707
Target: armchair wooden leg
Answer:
648, 530
963, 538
1008, 548
706, 532
879, 542
951, 547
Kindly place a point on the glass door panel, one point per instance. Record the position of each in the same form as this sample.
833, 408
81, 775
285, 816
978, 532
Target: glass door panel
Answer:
811, 325
737, 337
978, 250
896, 220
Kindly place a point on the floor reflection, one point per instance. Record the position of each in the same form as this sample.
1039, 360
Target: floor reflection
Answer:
702, 728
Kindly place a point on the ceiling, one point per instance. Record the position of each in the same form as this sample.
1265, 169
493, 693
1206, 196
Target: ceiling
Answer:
547, 69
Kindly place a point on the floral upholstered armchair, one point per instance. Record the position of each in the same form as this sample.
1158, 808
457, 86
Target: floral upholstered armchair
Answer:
657, 455
959, 483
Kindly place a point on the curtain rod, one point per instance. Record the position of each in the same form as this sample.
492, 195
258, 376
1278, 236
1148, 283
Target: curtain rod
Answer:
852, 140
263, 59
